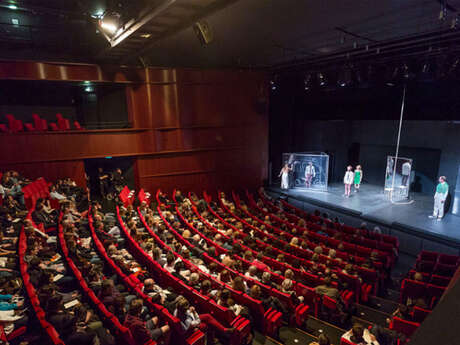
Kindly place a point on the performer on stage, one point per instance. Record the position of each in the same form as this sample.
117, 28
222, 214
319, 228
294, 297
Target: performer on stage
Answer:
284, 174
348, 180
442, 189
309, 174
406, 168
358, 177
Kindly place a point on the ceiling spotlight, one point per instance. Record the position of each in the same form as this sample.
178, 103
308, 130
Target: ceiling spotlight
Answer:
321, 79
344, 77
12, 7
110, 22
89, 89
307, 82
98, 14
273, 83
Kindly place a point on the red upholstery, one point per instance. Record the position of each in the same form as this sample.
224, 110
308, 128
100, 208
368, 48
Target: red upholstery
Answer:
419, 314
448, 259
403, 326
445, 270
78, 126
413, 289
53, 126
3, 128
426, 255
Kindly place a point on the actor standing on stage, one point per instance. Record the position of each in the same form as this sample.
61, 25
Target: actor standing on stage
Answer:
309, 174
284, 173
442, 189
348, 181
358, 177
406, 168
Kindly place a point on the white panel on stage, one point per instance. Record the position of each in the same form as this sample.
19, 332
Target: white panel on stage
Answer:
309, 170
399, 188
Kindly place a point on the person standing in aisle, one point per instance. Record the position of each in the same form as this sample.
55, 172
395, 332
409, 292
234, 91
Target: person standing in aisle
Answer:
309, 174
348, 180
358, 177
442, 189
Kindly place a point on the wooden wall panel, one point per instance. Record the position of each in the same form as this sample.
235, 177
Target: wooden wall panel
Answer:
192, 129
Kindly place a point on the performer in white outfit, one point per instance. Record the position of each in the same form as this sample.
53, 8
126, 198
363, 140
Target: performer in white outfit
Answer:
284, 174
442, 189
309, 174
348, 180
406, 168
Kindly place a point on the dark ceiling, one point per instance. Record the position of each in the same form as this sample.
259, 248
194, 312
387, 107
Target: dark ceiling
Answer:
247, 33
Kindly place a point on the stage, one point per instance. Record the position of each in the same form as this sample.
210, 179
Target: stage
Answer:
408, 221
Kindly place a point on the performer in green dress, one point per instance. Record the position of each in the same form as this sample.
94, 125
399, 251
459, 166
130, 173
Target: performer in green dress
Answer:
358, 177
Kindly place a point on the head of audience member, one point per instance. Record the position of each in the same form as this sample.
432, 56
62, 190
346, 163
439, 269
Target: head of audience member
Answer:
135, 307
332, 253
238, 284
357, 333
255, 292
266, 278
418, 276
318, 250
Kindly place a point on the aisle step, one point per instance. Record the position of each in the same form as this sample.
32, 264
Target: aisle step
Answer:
260, 339
316, 326
372, 315
293, 336
383, 304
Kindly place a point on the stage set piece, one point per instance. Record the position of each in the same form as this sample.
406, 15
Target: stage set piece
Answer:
398, 178
307, 170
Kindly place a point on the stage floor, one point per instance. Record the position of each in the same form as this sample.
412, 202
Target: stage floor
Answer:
373, 205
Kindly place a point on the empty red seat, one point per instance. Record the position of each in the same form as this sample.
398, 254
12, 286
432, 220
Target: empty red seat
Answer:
439, 280
78, 126
19, 126
403, 326
53, 126
448, 259
426, 255
412, 289
3, 128
44, 126
29, 127
445, 270
419, 314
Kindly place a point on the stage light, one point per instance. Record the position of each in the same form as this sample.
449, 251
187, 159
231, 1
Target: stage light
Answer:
89, 89
307, 82
14, 21
110, 22
12, 7
98, 14
273, 83
321, 79
344, 77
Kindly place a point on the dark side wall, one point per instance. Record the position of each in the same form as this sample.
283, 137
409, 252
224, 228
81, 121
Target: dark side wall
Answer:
433, 145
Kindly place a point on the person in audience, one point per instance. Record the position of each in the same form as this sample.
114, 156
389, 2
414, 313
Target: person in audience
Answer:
360, 335
252, 273
328, 289
190, 319
143, 331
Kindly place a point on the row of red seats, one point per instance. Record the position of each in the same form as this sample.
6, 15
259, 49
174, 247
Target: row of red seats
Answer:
414, 289
108, 317
368, 239
352, 245
126, 196
34, 190
345, 228
439, 264
217, 284
308, 292
300, 311
39, 124
197, 338
32, 294
361, 292
166, 279
143, 196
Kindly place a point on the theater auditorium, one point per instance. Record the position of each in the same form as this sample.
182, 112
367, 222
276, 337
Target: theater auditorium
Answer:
255, 172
